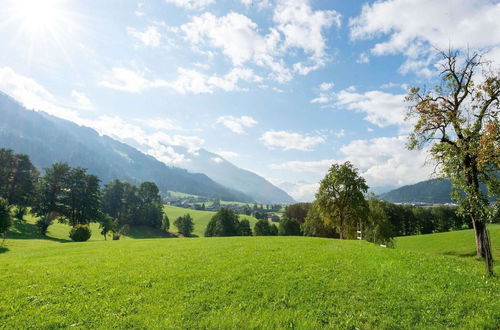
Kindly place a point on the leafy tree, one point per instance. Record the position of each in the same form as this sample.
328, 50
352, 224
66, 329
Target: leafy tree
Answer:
377, 229
224, 223
151, 207
185, 225
315, 226
82, 198
18, 178
51, 190
459, 120
5, 217
264, 228
289, 227
43, 224
245, 229
165, 224
341, 198
297, 211
107, 224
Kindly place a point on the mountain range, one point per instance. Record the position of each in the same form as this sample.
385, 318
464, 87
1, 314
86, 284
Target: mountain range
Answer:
48, 139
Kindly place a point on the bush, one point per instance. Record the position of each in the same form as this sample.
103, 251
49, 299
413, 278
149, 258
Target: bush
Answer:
116, 236
43, 225
185, 225
80, 233
289, 227
245, 229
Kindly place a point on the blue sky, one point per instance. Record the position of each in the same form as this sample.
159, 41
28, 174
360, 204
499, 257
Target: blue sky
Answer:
283, 88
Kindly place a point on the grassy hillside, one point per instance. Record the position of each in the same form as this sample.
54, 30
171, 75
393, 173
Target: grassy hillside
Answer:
456, 243
201, 218
240, 282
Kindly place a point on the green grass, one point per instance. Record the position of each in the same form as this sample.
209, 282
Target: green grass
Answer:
457, 243
245, 282
200, 218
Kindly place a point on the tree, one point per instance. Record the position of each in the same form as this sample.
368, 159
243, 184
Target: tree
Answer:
184, 225
224, 223
5, 218
245, 229
341, 198
297, 211
82, 198
18, 178
151, 207
107, 224
377, 229
165, 223
289, 227
315, 226
459, 120
264, 228
51, 189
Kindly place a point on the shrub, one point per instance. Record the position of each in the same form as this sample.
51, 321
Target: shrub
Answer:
80, 233
264, 228
43, 225
245, 229
289, 227
224, 223
185, 225
116, 236
19, 213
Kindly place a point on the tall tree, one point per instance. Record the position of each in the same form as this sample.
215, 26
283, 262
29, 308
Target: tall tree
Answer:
185, 225
224, 223
51, 190
5, 218
341, 198
18, 178
459, 120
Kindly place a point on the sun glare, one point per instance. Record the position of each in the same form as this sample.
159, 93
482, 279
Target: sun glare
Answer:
38, 17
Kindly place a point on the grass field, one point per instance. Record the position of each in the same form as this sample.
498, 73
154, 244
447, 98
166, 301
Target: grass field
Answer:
200, 218
245, 282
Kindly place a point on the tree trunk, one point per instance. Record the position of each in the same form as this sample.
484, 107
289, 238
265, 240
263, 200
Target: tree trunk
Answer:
483, 245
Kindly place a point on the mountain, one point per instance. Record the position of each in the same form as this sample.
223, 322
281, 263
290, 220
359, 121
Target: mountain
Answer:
47, 139
430, 191
229, 175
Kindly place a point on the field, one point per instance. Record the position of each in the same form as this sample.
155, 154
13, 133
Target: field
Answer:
200, 218
244, 282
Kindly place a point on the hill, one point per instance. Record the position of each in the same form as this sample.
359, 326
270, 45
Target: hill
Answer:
430, 191
200, 218
240, 282
229, 175
47, 139
456, 243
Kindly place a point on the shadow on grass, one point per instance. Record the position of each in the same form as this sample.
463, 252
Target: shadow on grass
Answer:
462, 255
3, 249
140, 232
25, 230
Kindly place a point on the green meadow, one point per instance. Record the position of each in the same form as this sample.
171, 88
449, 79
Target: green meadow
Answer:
428, 281
200, 218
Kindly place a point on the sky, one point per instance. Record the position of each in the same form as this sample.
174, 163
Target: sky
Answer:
283, 88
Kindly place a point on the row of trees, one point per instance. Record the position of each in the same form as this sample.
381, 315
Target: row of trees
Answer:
73, 196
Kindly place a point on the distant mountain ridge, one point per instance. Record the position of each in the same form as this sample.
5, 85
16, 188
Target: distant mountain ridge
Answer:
229, 175
48, 139
430, 191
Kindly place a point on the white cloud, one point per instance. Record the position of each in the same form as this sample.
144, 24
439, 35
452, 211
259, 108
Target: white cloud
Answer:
340, 133
33, 95
192, 81
290, 140
162, 124
363, 58
382, 162
191, 4
324, 87
150, 37
300, 191
228, 154
303, 28
82, 101
129, 81
322, 99
217, 160
413, 26
237, 124
382, 109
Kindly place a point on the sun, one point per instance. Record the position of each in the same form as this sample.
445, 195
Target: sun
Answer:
38, 17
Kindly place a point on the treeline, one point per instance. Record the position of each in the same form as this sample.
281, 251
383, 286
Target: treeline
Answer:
72, 196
